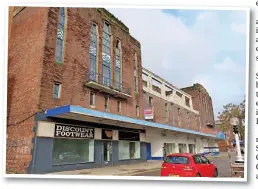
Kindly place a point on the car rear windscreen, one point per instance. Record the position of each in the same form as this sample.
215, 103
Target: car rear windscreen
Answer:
177, 159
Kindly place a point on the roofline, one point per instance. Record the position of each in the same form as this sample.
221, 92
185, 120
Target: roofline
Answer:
166, 82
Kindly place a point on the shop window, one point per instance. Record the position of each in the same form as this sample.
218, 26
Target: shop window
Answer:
191, 148
182, 148
129, 150
170, 148
107, 134
69, 151
129, 145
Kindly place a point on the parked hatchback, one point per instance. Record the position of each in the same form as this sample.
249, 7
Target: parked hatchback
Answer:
188, 165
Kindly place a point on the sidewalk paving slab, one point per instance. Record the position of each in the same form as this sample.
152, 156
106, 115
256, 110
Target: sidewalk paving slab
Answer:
117, 170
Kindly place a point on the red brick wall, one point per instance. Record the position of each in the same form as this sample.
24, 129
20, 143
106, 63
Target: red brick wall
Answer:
198, 96
72, 73
159, 112
25, 57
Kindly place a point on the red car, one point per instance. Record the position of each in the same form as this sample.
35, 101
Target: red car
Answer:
188, 165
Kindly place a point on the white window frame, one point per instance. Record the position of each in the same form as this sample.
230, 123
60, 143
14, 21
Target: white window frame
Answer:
59, 89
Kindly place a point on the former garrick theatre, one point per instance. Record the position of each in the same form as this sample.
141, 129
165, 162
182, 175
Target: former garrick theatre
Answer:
75, 98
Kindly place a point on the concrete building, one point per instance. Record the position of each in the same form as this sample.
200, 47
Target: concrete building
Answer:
165, 104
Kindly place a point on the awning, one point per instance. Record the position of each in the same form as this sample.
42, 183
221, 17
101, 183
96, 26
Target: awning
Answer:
85, 114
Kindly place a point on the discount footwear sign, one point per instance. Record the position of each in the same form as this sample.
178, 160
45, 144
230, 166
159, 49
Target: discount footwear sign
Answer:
66, 131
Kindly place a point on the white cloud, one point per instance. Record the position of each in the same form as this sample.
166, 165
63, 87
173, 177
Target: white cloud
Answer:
229, 65
184, 54
168, 45
239, 28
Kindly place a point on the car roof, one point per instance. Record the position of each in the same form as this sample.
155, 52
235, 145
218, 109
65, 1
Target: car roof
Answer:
182, 154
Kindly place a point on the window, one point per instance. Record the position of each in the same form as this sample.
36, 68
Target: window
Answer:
188, 120
187, 101
60, 36
144, 79
196, 120
72, 151
92, 98
172, 111
150, 101
191, 148
177, 160
204, 160
93, 52
106, 103
129, 146
106, 60
197, 159
170, 148
137, 111
179, 117
168, 90
57, 90
156, 85
118, 106
166, 112
118, 65
179, 94
135, 73
129, 150
182, 148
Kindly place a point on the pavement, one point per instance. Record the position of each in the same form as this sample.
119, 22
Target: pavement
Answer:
149, 168
117, 170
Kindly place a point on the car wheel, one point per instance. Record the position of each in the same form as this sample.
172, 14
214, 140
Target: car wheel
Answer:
198, 175
216, 173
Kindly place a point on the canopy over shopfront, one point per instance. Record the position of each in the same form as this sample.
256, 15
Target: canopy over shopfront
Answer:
89, 115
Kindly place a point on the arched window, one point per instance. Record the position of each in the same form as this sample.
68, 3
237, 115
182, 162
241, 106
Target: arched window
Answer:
118, 65
93, 52
106, 60
60, 36
135, 73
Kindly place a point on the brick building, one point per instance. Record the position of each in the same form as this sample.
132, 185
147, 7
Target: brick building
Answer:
202, 102
75, 97
81, 58
167, 105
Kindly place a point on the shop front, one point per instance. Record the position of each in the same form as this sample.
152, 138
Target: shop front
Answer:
70, 145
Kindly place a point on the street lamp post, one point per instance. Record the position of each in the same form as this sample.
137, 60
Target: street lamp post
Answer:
234, 122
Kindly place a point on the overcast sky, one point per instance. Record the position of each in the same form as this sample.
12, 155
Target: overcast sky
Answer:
189, 46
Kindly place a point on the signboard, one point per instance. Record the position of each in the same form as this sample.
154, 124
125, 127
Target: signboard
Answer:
148, 113
67, 131
107, 134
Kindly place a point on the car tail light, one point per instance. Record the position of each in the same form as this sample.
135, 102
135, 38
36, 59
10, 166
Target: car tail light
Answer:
188, 168
164, 166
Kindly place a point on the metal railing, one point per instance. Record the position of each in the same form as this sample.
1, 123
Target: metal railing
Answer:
108, 82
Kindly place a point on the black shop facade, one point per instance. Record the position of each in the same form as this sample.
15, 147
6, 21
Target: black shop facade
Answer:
62, 144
